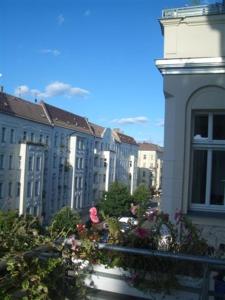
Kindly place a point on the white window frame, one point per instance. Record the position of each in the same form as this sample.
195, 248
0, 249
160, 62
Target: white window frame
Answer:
209, 145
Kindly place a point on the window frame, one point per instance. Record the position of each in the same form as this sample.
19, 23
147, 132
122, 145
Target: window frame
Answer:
208, 144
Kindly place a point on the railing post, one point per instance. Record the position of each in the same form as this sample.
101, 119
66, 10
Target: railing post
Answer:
205, 285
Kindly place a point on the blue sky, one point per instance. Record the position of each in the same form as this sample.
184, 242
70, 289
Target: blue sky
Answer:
94, 58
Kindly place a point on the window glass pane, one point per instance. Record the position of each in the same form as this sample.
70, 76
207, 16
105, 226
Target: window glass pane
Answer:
218, 178
219, 127
199, 176
201, 126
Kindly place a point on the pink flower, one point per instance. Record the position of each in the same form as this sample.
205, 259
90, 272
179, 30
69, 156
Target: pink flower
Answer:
94, 215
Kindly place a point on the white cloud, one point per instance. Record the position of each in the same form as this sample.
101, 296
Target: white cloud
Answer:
53, 89
54, 52
160, 123
22, 90
131, 120
87, 13
60, 19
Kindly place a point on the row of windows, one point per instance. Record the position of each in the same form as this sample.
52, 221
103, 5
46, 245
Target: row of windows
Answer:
11, 160
99, 178
9, 189
8, 135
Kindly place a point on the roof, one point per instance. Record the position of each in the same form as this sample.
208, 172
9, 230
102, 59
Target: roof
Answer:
18, 107
63, 118
123, 138
97, 130
150, 147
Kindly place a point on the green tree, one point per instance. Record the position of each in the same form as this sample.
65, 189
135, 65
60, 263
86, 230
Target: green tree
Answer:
141, 197
116, 202
141, 194
64, 222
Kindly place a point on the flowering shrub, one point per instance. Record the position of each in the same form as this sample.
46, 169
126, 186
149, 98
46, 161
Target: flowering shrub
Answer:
39, 274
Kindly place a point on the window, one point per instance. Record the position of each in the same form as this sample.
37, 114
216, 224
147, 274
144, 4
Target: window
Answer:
208, 161
37, 188
24, 136
32, 137
10, 161
29, 189
40, 138
56, 140
18, 189
1, 161
46, 139
30, 163
77, 163
54, 161
38, 163
19, 162
76, 187
10, 189
144, 156
1, 190
35, 211
3, 134
12, 132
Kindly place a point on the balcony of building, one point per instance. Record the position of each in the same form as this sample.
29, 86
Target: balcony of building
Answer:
197, 10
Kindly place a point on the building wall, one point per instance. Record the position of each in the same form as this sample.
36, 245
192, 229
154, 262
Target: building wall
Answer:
45, 167
16, 155
150, 168
192, 86
188, 36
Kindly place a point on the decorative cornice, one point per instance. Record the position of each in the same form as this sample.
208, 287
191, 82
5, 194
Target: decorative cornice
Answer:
178, 66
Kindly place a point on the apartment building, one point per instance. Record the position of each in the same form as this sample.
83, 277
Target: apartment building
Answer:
126, 159
50, 158
193, 70
150, 162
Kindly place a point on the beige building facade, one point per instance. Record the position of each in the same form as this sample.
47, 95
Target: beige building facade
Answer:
193, 70
150, 161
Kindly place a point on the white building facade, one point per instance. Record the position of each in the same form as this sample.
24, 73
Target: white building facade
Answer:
50, 158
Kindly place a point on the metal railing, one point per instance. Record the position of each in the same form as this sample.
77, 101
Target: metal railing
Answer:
189, 11
209, 263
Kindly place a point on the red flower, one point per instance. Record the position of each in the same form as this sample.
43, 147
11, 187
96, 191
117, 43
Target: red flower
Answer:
142, 232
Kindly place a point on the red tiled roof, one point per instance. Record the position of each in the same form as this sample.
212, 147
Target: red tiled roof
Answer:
63, 118
126, 138
15, 106
149, 147
97, 130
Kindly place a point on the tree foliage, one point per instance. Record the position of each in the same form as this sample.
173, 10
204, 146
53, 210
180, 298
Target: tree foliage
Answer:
141, 198
64, 222
141, 194
116, 202
32, 264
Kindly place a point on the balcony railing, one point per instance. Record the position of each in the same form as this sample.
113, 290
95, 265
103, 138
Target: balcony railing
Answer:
189, 11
